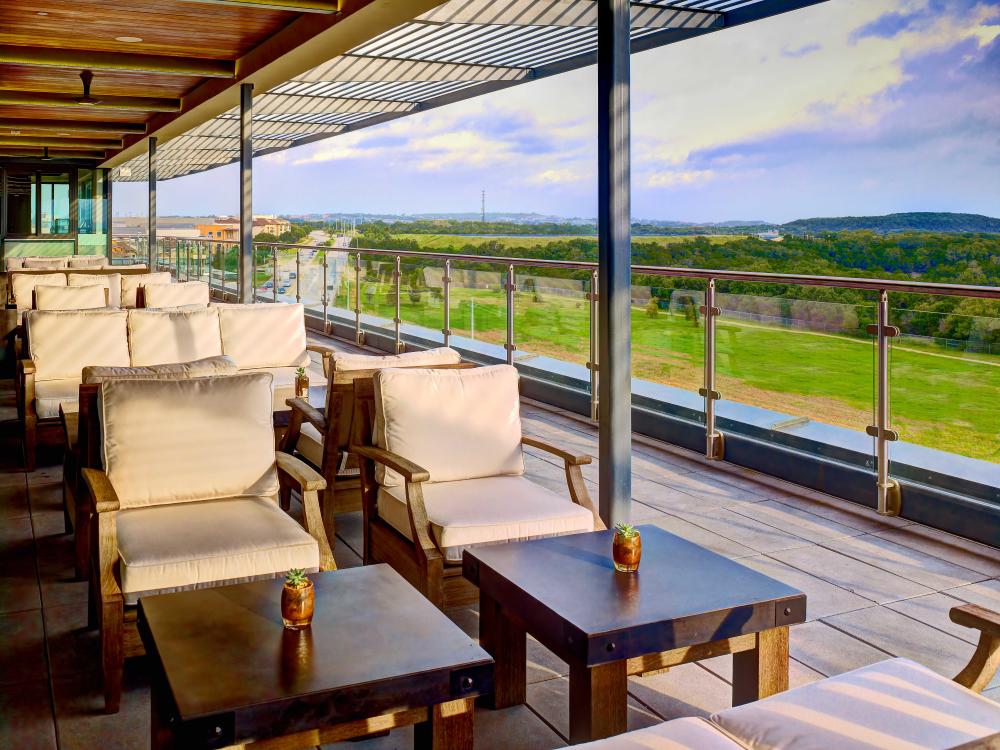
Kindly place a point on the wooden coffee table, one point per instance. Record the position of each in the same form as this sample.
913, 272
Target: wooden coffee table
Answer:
377, 656
686, 603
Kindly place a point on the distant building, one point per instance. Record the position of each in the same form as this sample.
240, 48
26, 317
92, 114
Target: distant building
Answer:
228, 227
772, 235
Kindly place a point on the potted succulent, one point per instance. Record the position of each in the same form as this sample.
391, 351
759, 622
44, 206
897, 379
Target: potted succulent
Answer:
298, 597
301, 383
627, 548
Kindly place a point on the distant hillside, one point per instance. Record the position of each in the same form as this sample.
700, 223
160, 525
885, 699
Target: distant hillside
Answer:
908, 222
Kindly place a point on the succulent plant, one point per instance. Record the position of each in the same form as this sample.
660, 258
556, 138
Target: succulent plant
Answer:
626, 530
300, 371
296, 578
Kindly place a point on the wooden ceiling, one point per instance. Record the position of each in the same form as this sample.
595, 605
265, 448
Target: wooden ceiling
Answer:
151, 62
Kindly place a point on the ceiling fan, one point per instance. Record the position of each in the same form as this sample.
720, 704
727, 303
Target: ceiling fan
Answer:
87, 77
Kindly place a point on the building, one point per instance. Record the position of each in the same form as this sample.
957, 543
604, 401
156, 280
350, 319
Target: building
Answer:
228, 227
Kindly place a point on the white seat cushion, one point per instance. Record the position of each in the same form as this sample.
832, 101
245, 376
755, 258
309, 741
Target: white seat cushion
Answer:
310, 445
894, 704
87, 261
70, 298
51, 394
679, 734
23, 284
456, 424
110, 281
484, 511
132, 281
176, 295
199, 368
176, 441
63, 342
282, 385
46, 263
160, 336
194, 545
260, 335
344, 361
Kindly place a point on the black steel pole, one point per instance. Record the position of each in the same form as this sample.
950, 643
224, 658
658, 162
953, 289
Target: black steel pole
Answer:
614, 272
151, 231
246, 280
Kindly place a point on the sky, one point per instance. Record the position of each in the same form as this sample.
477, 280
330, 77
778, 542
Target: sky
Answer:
850, 107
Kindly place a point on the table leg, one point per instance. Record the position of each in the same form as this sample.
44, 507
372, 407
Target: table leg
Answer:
161, 736
506, 642
598, 701
448, 727
763, 670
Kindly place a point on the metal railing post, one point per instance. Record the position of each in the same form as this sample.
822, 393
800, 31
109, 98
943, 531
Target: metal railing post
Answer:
358, 336
446, 294
326, 279
594, 346
298, 276
889, 495
253, 273
187, 261
274, 274
510, 288
714, 440
397, 276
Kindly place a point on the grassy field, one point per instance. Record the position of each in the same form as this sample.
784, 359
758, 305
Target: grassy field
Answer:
444, 241
940, 399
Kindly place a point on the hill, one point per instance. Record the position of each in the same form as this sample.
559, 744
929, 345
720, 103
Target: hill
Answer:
907, 222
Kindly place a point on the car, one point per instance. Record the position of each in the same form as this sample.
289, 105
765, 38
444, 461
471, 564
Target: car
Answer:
282, 289
292, 275
269, 285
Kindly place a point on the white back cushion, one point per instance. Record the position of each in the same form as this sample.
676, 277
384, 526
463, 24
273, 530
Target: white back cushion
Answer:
264, 335
344, 362
110, 281
45, 263
70, 298
63, 342
132, 281
199, 368
160, 336
456, 424
12, 264
87, 261
176, 295
23, 284
175, 441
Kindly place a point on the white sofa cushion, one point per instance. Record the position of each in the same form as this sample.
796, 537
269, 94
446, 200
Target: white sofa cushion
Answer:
12, 264
456, 424
87, 261
195, 545
132, 281
282, 385
160, 336
689, 733
111, 281
486, 511
310, 445
23, 284
199, 368
51, 394
63, 342
264, 335
345, 361
70, 297
892, 704
174, 441
176, 295
45, 263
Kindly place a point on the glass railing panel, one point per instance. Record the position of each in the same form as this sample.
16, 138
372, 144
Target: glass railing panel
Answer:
421, 300
478, 308
311, 280
340, 285
283, 285
552, 323
378, 293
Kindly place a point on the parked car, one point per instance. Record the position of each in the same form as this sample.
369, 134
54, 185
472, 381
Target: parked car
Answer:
269, 285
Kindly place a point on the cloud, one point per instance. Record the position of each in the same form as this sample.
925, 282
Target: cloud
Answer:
802, 51
558, 177
688, 177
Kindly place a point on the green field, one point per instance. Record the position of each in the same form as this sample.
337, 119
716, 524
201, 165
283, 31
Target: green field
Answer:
940, 398
457, 241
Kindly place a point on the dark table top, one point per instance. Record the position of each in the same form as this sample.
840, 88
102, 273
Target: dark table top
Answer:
317, 398
567, 591
374, 639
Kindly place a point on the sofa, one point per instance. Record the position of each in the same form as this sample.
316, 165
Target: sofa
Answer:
60, 344
122, 287
60, 261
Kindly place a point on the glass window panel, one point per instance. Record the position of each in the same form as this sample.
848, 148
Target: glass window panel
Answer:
55, 217
21, 208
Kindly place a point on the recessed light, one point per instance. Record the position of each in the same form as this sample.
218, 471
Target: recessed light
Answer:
128, 39
41, 13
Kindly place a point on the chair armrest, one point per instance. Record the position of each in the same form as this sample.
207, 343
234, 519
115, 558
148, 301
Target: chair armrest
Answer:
979, 618
572, 459
104, 501
307, 478
325, 353
102, 494
27, 366
410, 471
985, 661
309, 413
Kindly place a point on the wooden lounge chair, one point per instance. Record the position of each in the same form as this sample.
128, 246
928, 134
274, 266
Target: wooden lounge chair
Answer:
442, 469
322, 438
188, 499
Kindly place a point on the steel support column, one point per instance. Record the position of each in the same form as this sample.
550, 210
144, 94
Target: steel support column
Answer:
614, 271
151, 230
245, 280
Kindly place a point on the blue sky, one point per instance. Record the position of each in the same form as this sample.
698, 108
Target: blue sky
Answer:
849, 107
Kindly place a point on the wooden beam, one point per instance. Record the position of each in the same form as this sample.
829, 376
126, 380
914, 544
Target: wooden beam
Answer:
292, 6
56, 153
137, 63
6, 140
48, 99
30, 126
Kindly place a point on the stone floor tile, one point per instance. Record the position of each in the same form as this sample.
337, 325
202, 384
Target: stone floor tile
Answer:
985, 593
350, 531
16, 535
822, 597
550, 700
80, 719
26, 721
744, 530
19, 580
704, 537
849, 514
516, 727
346, 557
933, 610
830, 651
72, 647
22, 657
863, 579
795, 520
13, 501
706, 485
685, 690
57, 573
945, 546
641, 513
798, 673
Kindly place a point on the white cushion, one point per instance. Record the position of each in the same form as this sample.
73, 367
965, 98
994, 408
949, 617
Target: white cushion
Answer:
344, 361
264, 335
87, 261
282, 385
680, 734
12, 264
132, 281
23, 284
70, 297
456, 424
160, 336
310, 444
174, 441
195, 545
45, 263
892, 704
127, 265
486, 511
176, 295
111, 281
51, 394
63, 342
199, 368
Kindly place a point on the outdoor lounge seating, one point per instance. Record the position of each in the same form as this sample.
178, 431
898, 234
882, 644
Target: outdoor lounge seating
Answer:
61, 261
895, 703
122, 286
180, 294
70, 297
442, 469
187, 499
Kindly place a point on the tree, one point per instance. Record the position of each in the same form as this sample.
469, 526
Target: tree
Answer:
653, 307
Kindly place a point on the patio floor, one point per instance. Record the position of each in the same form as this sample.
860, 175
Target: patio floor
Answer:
876, 587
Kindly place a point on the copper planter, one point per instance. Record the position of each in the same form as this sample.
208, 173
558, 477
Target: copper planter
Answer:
626, 553
297, 604
301, 386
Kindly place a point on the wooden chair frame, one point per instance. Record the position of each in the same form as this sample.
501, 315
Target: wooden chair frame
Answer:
419, 559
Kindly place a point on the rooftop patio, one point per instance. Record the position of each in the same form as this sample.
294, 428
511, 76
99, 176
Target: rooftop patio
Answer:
876, 586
